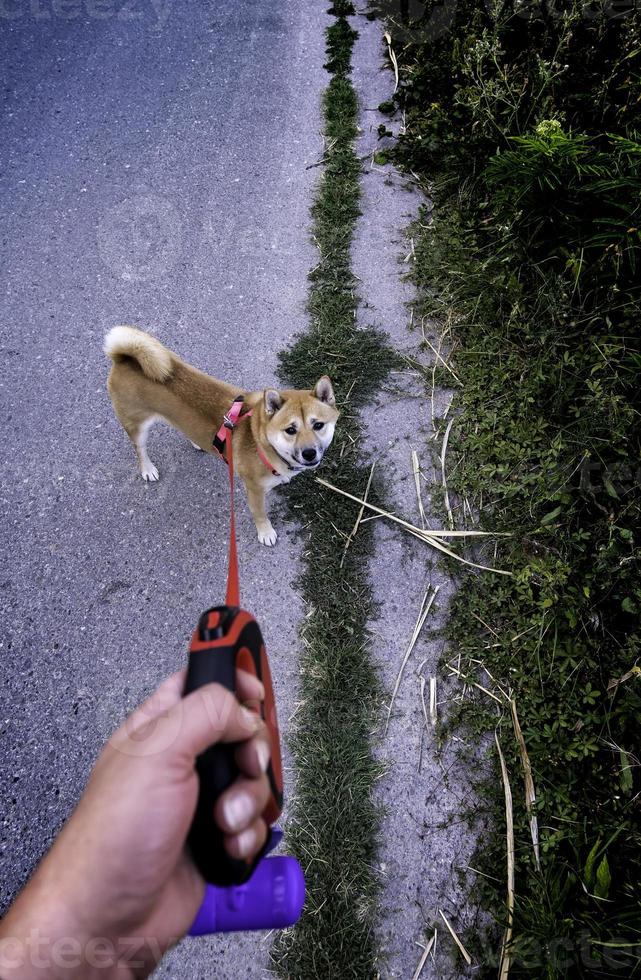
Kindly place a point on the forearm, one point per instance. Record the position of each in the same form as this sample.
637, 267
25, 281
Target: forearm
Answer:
33, 949
43, 936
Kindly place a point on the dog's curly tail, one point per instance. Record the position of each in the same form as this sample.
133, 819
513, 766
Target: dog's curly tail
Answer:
153, 357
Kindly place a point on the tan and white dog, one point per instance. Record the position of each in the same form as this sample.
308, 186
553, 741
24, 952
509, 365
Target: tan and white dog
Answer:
287, 433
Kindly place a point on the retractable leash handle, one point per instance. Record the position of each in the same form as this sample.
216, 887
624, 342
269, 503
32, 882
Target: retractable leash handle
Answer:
225, 640
264, 893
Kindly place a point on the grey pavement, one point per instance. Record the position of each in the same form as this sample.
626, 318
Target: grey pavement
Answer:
153, 171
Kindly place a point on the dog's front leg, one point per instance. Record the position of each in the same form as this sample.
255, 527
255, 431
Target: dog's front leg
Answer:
256, 498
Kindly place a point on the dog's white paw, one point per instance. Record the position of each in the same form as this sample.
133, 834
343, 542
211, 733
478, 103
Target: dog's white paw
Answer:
267, 535
196, 446
149, 473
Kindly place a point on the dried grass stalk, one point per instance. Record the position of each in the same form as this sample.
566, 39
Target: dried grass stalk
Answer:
464, 677
615, 681
439, 357
354, 530
426, 605
530, 792
417, 483
506, 955
392, 57
464, 953
423, 959
428, 536
446, 437
433, 717
423, 705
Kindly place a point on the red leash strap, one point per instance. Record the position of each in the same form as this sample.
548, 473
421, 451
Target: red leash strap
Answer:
225, 640
224, 438
233, 586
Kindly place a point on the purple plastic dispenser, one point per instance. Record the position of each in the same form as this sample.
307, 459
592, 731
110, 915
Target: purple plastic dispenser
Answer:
272, 899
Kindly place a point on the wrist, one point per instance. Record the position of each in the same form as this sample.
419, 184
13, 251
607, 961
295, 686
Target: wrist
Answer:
43, 936
35, 953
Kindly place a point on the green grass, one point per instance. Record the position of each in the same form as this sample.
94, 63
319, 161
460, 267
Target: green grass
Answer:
333, 828
565, 625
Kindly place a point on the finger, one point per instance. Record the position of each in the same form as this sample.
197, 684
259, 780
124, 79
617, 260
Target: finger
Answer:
252, 757
208, 715
248, 687
164, 697
170, 692
240, 805
248, 842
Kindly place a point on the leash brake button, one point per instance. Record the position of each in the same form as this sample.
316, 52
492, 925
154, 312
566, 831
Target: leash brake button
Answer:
214, 623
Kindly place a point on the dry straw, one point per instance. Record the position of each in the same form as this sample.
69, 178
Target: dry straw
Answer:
464, 953
354, 530
416, 469
423, 959
468, 680
426, 605
509, 834
433, 714
392, 58
423, 705
448, 507
530, 793
430, 536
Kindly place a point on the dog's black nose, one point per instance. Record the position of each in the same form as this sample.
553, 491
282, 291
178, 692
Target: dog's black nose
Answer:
309, 455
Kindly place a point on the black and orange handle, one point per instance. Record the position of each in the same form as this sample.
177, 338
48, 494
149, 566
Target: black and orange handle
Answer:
227, 639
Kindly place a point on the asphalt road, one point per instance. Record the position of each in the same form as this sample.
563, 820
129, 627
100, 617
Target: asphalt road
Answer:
153, 171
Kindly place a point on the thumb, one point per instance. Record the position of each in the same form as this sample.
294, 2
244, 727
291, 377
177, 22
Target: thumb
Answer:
211, 714
188, 726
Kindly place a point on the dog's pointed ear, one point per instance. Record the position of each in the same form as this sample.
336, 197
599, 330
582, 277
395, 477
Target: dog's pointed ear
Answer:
273, 400
324, 391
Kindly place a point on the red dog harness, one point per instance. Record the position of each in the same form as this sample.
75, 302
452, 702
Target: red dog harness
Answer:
230, 421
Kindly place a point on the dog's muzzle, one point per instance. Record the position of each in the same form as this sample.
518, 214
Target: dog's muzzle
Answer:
311, 457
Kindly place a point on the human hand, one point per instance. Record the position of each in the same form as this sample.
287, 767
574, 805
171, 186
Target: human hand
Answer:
118, 888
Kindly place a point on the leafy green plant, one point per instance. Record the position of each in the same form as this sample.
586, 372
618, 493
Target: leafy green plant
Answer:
524, 121
569, 199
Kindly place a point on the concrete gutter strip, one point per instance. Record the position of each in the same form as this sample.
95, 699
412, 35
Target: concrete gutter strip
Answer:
425, 788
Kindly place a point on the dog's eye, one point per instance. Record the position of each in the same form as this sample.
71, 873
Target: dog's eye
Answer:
291, 430
318, 425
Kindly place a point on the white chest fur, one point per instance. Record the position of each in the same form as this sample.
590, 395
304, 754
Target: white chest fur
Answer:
270, 481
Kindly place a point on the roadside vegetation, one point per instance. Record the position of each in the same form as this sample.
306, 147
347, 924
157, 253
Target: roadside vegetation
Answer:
522, 119
333, 825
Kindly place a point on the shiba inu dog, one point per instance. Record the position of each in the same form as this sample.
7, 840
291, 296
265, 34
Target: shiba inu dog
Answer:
287, 431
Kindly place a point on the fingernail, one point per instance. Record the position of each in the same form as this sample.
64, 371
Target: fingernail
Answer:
264, 755
237, 810
245, 842
250, 718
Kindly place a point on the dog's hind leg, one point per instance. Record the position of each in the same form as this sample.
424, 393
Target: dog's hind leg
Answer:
148, 471
135, 418
137, 428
